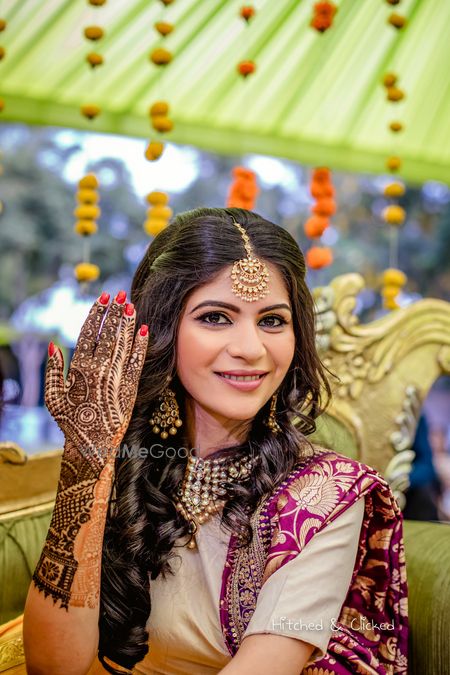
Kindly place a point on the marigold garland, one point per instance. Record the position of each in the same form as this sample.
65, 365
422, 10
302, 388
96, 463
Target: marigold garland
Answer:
244, 189
394, 190
93, 33
164, 28
154, 150
158, 214
85, 226
393, 163
246, 68
247, 12
94, 59
393, 281
394, 214
396, 126
90, 110
323, 191
397, 20
160, 56
323, 15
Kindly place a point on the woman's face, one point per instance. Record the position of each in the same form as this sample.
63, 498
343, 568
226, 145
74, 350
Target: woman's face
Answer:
243, 336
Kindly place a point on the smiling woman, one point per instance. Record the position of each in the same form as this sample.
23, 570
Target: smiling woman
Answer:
242, 547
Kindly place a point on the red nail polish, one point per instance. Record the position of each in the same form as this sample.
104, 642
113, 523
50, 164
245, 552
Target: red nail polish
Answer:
144, 330
129, 309
51, 348
104, 299
120, 297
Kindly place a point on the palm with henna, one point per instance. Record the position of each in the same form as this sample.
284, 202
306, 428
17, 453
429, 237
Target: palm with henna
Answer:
92, 407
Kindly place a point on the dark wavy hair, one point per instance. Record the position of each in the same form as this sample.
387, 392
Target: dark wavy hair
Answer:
143, 525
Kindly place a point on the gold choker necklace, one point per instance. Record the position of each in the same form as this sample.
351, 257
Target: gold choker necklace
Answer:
205, 485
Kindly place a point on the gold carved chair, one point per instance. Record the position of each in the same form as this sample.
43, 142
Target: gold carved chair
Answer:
385, 370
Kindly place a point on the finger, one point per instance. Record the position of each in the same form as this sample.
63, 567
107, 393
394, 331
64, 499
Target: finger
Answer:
109, 330
54, 377
124, 342
133, 370
88, 335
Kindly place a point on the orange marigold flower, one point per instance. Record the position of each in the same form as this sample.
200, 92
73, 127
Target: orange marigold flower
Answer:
87, 272
246, 68
394, 190
97, 3
154, 150
164, 28
154, 226
167, 2
394, 214
397, 20
395, 94
390, 79
157, 197
3, 25
161, 57
315, 226
162, 123
321, 189
2, 53
319, 256
90, 110
247, 12
89, 181
158, 108
94, 59
324, 207
396, 126
93, 33
85, 228
393, 163
2, 104
321, 174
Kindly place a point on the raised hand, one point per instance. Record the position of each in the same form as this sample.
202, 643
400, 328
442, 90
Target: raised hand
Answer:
92, 407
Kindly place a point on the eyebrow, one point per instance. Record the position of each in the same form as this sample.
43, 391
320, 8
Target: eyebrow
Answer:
226, 305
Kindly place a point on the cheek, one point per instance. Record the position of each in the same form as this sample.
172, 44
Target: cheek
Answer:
195, 347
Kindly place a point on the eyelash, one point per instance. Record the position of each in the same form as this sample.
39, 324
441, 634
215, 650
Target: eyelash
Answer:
208, 314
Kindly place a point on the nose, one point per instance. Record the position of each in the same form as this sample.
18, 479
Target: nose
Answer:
247, 342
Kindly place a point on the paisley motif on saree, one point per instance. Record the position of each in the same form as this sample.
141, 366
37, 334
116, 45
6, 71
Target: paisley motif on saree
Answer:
371, 633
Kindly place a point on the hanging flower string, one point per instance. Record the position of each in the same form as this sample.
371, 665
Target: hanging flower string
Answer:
244, 189
94, 34
158, 213
393, 279
159, 111
323, 15
323, 192
86, 214
246, 67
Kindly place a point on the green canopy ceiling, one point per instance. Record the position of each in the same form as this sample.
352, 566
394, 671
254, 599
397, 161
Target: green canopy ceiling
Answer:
314, 98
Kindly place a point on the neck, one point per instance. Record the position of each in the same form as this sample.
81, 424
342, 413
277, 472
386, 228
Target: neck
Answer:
208, 432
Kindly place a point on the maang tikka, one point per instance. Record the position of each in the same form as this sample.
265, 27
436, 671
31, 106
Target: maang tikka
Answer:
249, 281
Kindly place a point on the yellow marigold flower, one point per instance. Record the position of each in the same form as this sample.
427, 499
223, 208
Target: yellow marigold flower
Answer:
390, 79
88, 181
87, 272
3, 24
162, 123
395, 126
87, 196
154, 150
93, 32
164, 28
390, 292
161, 57
160, 211
395, 94
90, 110
393, 163
2, 53
158, 108
394, 277
389, 303
154, 226
2, 104
156, 198
394, 215
94, 59
394, 190
85, 227
397, 20
87, 212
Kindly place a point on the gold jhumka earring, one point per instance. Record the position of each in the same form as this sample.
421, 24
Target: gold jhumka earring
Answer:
167, 415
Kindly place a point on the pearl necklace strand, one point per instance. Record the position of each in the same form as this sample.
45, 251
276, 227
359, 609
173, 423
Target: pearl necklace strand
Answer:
204, 487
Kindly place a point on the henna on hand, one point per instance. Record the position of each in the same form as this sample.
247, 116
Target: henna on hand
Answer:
93, 408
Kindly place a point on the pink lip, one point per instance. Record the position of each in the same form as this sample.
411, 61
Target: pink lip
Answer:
243, 386
243, 372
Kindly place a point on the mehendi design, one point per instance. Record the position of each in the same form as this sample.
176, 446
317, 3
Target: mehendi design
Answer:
93, 408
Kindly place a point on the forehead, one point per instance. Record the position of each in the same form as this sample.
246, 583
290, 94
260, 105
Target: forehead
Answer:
220, 289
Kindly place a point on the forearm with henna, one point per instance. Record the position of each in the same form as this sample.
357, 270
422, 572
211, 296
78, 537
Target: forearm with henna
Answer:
92, 407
